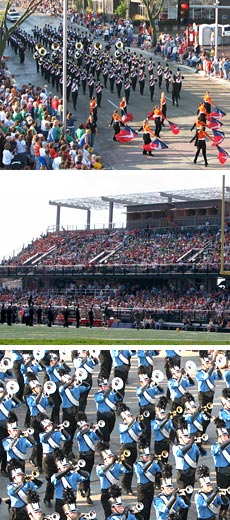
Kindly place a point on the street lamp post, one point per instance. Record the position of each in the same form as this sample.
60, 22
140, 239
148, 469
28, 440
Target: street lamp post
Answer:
216, 5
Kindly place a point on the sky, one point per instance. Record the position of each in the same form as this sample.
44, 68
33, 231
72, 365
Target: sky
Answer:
25, 212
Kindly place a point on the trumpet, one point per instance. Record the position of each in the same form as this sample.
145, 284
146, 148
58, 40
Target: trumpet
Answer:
6, 363
80, 464
178, 411
12, 387
89, 516
34, 474
26, 433
124, 455
117, 383
49, 387
54, 516
163, 455
145, 414
63, 425
224, 491
136, 508
100, 424
208, 406
203, 438
188, 490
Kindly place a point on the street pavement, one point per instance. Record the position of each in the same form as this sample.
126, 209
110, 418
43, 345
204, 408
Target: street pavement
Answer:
128, 156
131, 401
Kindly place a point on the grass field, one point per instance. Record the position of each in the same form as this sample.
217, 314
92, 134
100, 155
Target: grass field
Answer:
42, 335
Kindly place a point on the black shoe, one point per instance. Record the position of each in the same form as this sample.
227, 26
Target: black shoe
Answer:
31, 461
47, 503
194, 161
89, 501
82, 493
206, 164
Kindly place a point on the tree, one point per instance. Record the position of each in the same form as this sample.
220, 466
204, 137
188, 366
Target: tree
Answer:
153, 8
5, 29
121, 9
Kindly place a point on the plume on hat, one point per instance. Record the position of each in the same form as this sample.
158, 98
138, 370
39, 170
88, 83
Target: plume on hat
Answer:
32, 496
163, 401
121, 407
69, 496
203, 471
12, 418
166, 470
58, 454
102, 446
226, 393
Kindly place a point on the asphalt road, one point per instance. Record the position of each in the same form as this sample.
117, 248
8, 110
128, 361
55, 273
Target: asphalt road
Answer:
131, 401
129, 156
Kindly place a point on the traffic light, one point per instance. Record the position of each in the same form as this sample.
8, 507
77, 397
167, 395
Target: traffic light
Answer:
183, 12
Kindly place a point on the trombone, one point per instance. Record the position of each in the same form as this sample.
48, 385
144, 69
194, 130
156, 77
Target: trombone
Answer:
88, 516
203, 438
224, 491
145, 414
188, 490
26, 433
80, 464
100, 424
136, 508
54, 516
63, 425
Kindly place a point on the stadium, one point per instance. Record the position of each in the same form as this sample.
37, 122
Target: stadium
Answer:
157, 276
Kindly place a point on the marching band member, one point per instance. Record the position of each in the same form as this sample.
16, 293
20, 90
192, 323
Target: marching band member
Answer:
178, 384
206, 377
147, 470
147, 132
146, 359
221, 456
195, 418
18, 441
37, 403
8, 401
207, 499
109, 473
186, 454
68, 476
121, 364
17, 490
224, 413
116, 121
170, 503
163, 429
130, 430
88, 361
106, 362
146, 393
53, 437
106, 400
87, 436
118, 511
54, 364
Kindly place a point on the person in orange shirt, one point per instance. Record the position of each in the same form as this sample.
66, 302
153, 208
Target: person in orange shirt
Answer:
163, 106
116, 121
158, 118
93, 108
201, 143
208, 103
147, 132
123, 106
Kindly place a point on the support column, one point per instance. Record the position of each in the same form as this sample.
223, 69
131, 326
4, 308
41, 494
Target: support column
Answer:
58, 218
110, 215
88, 218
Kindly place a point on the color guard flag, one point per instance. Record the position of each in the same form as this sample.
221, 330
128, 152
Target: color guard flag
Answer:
214, 123
222, 155
217, 112
175, 129
126, 134
218, 137
127, 117
156, 144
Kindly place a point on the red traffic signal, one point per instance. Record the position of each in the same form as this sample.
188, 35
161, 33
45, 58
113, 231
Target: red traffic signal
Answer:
183, 12
184, 7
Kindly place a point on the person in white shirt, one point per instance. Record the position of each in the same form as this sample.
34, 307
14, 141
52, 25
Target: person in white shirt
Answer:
7, 156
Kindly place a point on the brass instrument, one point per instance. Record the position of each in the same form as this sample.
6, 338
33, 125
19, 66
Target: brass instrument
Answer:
54, 516
80, 375
34, 474
203, 438
6, 363
136, 508
157, 376
38, 46
12, 387
188, 490
190, 366
117, 383
55, 46
178, 411
89, 516
42, 52
98, 46
79, 46
117, 54
163, 455
145, 414
220, 361
80, 464
100, 424
26, 433
49, 387
63, 425
35, 55
224, 491
124, 455
38, 354
207, 407
119, 46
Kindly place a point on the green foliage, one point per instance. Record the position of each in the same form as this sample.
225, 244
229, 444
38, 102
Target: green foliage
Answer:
121, 9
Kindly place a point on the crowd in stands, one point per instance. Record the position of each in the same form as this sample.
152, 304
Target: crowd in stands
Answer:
123, 247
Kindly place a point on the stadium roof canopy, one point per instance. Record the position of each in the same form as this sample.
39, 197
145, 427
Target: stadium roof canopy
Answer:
137, 199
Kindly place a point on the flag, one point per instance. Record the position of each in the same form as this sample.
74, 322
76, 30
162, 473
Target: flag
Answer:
175, 129
125, 135
127, 117
218, 137
156, 144
214, 123
150, 115
217, 112
222, 155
